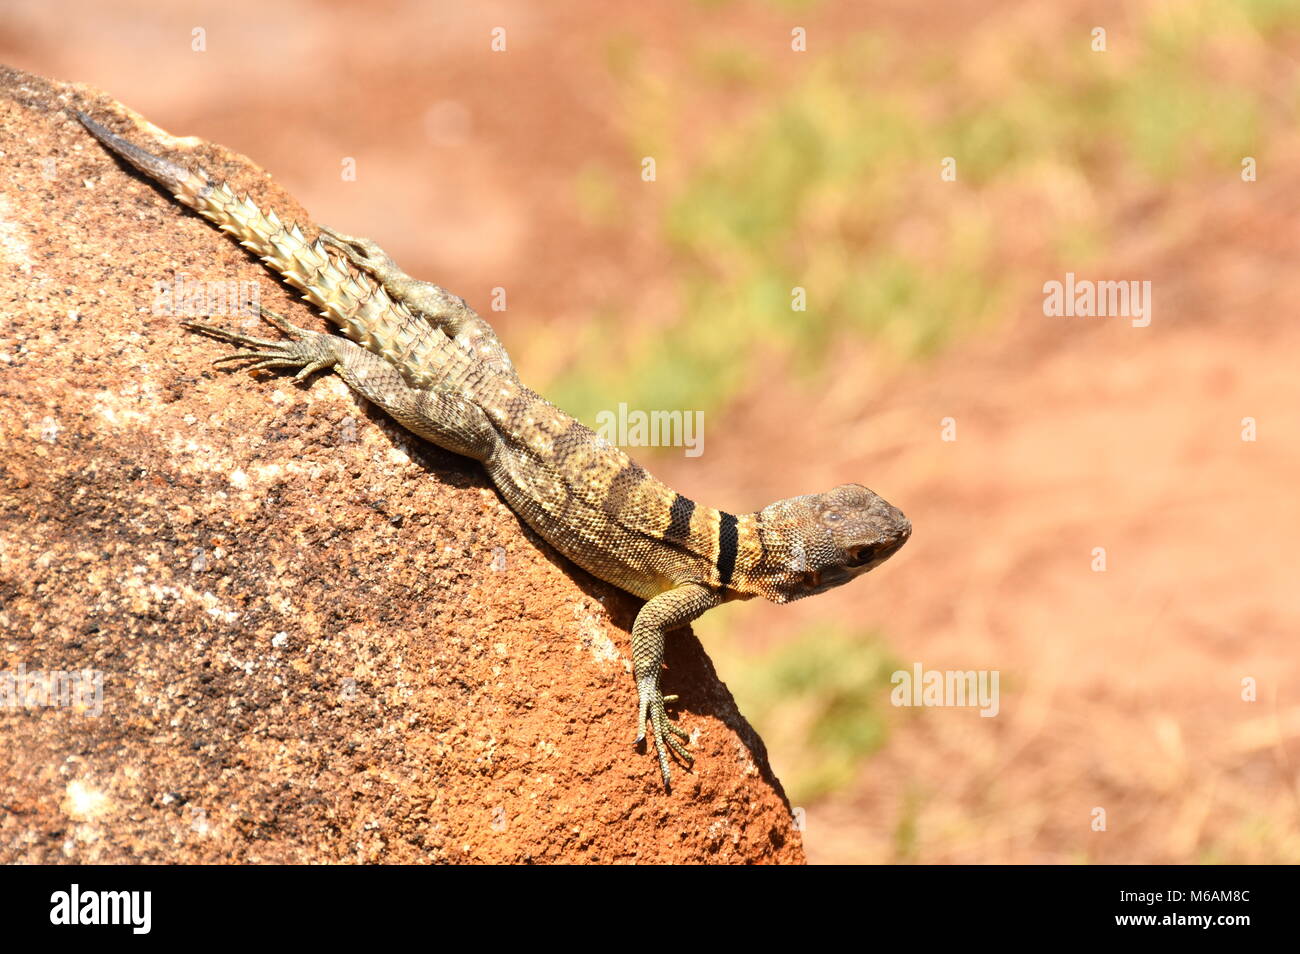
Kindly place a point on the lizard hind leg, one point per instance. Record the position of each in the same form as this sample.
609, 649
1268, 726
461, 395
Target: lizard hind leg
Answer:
448, 418
434, 304
364, 253
308, 351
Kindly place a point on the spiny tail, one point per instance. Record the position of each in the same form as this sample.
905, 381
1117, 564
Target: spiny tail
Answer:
363, 311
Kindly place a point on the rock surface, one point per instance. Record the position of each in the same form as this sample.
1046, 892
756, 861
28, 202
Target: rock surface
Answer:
319, 639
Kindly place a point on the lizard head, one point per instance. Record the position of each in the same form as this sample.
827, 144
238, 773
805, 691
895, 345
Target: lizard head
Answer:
817, 542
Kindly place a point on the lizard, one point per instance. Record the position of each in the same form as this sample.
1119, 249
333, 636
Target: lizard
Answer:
436, 367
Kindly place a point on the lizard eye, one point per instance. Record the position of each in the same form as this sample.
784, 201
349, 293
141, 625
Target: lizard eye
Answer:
832, 517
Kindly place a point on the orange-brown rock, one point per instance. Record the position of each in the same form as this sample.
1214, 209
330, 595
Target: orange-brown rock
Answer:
319, 639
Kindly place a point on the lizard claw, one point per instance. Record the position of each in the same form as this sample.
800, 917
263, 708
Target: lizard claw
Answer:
651, 706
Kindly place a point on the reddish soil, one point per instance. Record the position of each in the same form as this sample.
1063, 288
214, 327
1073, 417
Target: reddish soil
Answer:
1122, 689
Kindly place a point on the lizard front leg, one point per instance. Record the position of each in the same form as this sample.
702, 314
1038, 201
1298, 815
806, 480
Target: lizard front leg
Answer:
435, 304
667, 611
442, 416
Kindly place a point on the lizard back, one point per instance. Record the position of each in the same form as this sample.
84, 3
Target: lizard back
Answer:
600, 507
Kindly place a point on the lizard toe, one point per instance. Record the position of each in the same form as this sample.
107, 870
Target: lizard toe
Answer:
663, 730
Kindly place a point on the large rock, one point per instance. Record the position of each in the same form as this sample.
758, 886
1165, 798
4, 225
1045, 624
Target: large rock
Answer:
319, 638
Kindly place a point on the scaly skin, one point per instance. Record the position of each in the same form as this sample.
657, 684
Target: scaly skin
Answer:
437, 368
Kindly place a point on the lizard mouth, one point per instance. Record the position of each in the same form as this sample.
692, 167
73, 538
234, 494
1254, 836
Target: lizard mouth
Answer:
860, 555
868, 555
859, 560
826, 578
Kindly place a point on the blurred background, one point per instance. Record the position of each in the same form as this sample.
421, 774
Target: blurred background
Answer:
822, 169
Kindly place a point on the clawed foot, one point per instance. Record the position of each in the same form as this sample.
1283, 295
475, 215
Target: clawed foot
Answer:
361, 252
651, 706
309, 351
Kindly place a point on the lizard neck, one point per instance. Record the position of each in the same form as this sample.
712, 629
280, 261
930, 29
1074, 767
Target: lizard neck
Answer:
728, 548
768, 555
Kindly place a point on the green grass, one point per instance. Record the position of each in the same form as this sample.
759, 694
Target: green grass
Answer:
819, 181
823, 695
